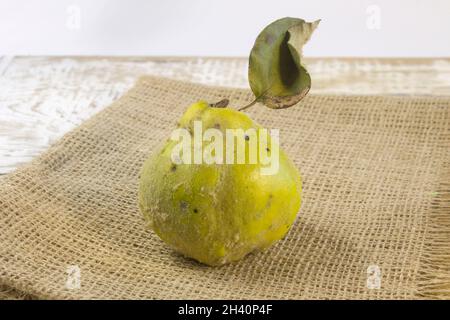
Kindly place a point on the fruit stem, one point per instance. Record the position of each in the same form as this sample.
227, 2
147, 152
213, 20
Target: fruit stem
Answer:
221, 104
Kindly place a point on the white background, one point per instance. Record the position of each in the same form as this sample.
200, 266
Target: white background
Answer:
379, 28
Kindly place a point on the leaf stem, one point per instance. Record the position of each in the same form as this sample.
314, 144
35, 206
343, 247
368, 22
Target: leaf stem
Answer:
249, 105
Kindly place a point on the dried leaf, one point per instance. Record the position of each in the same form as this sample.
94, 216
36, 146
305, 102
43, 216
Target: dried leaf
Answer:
276, 73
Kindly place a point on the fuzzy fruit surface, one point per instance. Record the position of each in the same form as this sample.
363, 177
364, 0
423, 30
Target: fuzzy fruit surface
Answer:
217, 213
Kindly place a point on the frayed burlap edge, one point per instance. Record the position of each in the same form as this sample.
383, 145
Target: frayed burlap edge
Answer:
434, 274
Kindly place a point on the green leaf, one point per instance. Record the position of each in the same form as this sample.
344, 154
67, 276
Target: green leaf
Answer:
276, 73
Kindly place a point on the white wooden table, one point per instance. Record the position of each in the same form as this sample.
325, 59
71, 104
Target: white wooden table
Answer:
41, 98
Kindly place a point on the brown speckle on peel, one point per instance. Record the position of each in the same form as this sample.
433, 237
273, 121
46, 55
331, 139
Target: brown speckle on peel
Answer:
217, 126
269, 201
195, 210
173, 168
247, 138
267, 149
183, 205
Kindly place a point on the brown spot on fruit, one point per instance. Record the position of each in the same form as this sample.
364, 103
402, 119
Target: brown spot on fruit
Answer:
269, 201
183, 205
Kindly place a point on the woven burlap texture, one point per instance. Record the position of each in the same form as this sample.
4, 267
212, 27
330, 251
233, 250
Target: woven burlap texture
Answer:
375, 193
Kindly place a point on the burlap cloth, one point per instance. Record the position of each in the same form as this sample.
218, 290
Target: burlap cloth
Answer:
376, 176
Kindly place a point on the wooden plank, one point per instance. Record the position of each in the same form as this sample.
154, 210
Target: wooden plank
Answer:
41, 98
